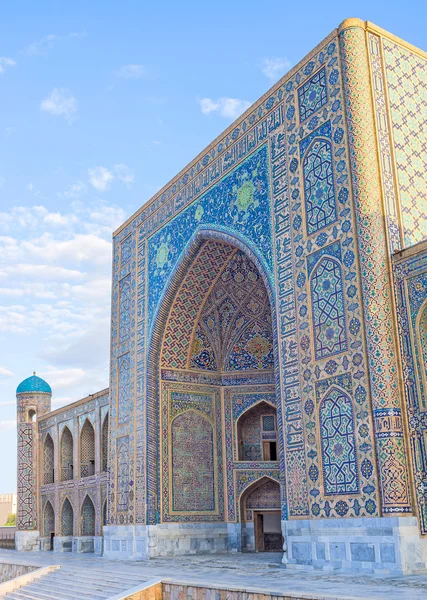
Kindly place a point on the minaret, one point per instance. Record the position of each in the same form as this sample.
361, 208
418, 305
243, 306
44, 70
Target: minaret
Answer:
33, 397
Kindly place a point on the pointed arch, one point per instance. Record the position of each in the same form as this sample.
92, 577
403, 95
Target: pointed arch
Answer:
66, 452
67, 518
48, 460
256, 432
319, 187
87, 517
328, 309
87, 449
272, 502
48, 520
159, 323
104, 443
338, 443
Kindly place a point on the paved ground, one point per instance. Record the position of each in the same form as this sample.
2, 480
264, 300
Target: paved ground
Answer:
245, 571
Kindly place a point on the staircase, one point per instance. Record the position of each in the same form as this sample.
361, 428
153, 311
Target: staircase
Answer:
81, 583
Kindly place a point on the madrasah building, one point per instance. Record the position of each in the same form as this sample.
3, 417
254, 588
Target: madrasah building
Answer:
268, 382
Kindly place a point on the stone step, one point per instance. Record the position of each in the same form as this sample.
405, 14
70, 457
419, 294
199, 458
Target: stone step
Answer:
17, 595
85, 585
67, 592
34, 594
99, 574
66, 585
88, 577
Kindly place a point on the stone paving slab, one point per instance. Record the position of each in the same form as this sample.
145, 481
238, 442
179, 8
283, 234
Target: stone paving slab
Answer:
263, 572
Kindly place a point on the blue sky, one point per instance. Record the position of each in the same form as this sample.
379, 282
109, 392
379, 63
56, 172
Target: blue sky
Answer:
101, 104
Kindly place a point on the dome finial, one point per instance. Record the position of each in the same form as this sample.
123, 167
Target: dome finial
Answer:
34, 372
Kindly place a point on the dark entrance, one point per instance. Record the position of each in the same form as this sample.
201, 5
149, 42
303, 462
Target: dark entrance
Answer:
268, 531
261, 517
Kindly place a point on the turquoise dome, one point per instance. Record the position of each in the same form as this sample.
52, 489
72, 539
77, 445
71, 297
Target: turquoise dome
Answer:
34, 384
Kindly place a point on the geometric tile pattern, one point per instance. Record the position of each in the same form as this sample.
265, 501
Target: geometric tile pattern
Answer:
411, 291
67, 518
338, 444
235, 323
104, 442
48, 460
125, 308
123, 408
312, 95
406, 75
27, 492
66, 449
327, 301
239, 203
177, 337
267, 495
87, 450
193, 477
123, 491
319, 192
87, 517
254, 170
379, 320
192, 471
342, 298
386, 150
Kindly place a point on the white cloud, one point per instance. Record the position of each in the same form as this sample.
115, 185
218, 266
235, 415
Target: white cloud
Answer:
226, 107
59, 219
46, 272
76, 190
48, 42
7, 424
132, 71
123, 173
55, 290
5, 372
6, 62
100, 177
275, 68
60, 103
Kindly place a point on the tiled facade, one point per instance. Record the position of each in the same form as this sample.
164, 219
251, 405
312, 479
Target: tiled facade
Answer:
255, 350
66, 452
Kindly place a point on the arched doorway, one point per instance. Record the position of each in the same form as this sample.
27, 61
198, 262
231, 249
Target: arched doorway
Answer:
87, 526
66, 451
260, 517
67, 518
48, 460
214, 328
87, 450
49, 525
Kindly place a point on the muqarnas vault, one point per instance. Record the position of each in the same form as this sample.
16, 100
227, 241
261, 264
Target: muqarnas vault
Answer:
268, 386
